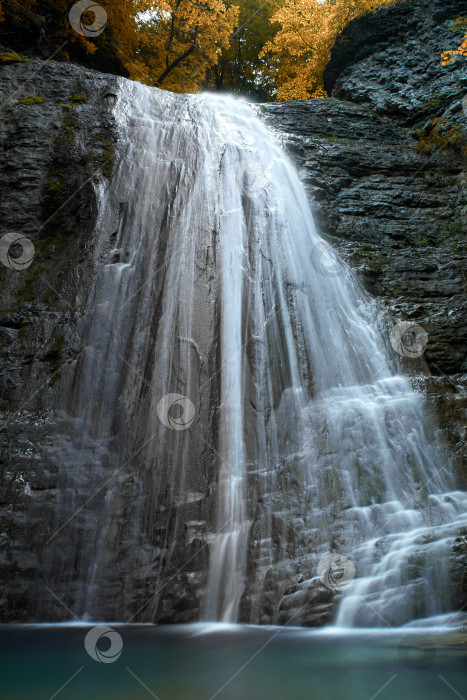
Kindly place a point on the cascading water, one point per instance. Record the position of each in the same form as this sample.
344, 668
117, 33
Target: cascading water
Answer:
233, 376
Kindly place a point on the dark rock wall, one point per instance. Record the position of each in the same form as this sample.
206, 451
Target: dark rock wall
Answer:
397, 216
389, 60
56, 160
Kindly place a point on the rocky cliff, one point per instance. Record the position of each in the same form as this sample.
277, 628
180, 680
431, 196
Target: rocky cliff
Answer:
394, 207
387, 191
57, 145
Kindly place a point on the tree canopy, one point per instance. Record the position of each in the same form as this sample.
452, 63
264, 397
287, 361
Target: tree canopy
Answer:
301, 49
265, 49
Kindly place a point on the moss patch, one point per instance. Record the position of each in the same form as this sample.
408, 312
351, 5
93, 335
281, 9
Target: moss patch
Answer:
108, 160
67, 135
457, 227
36, 100
12, 58
56, 187
441, 132
422, 242
102, 157
365, 248
78, 99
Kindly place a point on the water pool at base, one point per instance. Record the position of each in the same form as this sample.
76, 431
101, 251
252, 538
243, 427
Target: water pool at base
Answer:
230, 662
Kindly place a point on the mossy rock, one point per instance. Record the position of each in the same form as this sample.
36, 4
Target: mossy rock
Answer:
108, 160
67, 137
28, 290
55, 187
12, 58
105, 161
365, 248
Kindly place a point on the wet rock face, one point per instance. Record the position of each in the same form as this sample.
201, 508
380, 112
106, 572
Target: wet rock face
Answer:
56, 159
389, 60
395, 215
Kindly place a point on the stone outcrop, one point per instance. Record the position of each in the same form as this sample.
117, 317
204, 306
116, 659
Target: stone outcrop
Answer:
56, 160
389, 61
396, 214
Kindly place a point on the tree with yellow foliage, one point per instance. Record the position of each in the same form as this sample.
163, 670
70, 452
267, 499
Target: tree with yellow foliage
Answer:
42, 27
460, 25
258, 47
179, 40
261, 48
240, 67
163, 43
302, 47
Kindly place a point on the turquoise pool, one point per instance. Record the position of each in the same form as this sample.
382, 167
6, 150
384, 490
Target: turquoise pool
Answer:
229, 662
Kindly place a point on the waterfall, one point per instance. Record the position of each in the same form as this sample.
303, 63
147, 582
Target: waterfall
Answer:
234, 376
